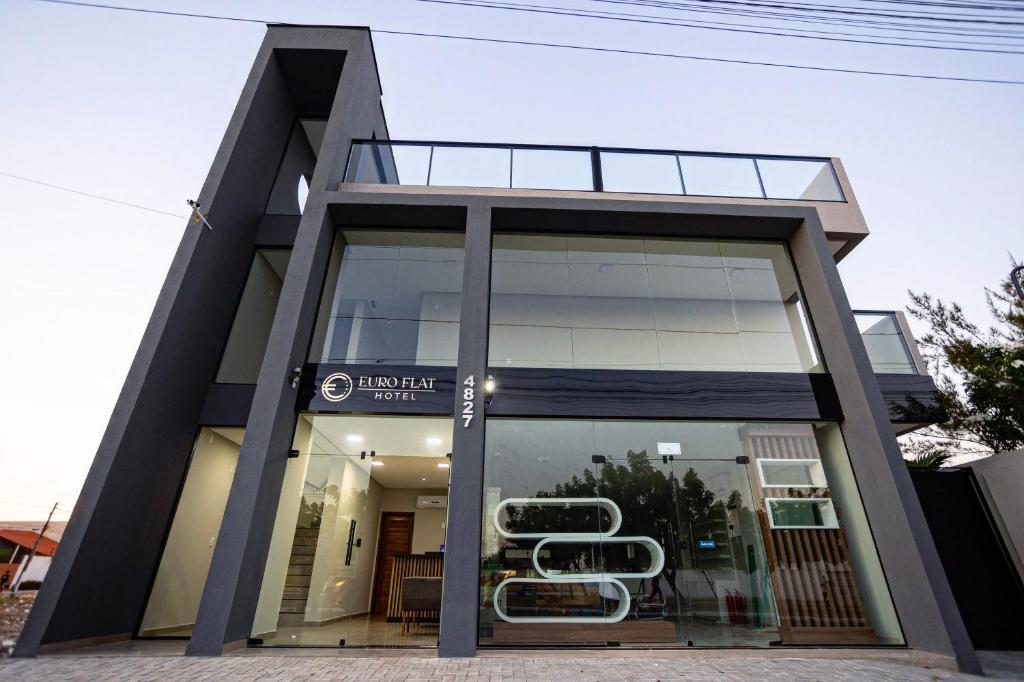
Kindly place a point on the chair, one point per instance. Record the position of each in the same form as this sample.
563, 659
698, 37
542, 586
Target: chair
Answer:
420, 596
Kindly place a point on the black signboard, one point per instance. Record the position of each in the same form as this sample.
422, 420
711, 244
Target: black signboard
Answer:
403, 389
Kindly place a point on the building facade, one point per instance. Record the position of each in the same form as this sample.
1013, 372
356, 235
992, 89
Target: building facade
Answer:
465, 396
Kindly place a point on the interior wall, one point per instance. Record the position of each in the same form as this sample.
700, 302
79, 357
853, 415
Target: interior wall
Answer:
345, 501
179, 583
429, 525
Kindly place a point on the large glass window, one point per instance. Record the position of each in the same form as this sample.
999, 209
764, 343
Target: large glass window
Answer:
181, 576
250, 330
669, 533
643, 303
887, 348
356, 552
391, 298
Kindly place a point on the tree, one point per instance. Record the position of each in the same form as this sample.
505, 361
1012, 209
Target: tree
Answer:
979, 374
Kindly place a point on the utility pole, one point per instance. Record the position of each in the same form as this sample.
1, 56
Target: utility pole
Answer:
32, 552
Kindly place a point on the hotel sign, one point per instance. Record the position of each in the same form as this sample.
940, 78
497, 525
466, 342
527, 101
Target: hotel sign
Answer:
374, 388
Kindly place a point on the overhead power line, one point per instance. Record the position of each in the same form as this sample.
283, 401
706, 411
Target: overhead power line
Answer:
570, 12
709, 7
90, 195
847, 9
568, 46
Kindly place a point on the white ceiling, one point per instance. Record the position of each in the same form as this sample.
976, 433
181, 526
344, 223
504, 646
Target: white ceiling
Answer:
408, 448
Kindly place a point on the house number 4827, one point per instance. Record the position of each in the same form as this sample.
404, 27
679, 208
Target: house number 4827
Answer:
468, 394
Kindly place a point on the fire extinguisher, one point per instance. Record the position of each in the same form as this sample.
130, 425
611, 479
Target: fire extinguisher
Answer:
740, 604
730, 605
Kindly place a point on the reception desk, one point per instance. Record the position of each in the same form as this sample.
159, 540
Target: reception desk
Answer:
428, 565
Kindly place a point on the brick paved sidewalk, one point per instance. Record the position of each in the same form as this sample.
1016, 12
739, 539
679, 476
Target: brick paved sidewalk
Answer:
484, 669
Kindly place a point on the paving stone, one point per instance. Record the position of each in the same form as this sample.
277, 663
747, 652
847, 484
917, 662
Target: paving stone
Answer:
640, 668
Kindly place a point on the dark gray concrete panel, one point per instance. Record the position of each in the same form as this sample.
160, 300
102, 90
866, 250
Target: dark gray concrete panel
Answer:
100, 578
229, 601
921, 593
227, 405
461, 586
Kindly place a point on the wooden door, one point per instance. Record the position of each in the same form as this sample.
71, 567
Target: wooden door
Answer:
395, 538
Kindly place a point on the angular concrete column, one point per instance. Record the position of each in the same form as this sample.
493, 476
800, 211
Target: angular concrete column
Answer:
229, 600
920, 590
461, 586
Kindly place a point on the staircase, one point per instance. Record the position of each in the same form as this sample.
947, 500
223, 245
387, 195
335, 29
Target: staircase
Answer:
296, 584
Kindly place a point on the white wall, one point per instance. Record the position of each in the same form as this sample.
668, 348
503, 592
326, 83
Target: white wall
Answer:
429, 525
174, 600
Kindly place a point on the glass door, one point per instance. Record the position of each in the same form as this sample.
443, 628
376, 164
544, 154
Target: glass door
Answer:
686, 556
727, 598
325, 577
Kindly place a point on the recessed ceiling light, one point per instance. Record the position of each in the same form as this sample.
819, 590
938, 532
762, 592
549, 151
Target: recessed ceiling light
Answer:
433, 440
354, 438
377, 463
443, 465
424, 478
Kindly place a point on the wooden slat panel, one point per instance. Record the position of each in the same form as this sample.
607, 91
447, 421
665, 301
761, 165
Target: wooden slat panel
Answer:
810, 569
405, 565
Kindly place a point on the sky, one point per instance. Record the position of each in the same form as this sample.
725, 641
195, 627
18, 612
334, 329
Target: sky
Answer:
133, 106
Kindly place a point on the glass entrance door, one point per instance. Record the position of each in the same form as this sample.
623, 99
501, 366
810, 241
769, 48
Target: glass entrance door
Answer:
688, 551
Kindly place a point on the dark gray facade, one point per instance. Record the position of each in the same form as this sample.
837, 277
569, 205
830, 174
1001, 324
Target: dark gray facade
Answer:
100, 580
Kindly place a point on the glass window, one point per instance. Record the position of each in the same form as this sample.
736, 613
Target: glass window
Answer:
552, 169
640, 303
471, 166
181, 576
588, 528
358, 538
720, 176
642, 173
791, 473
886, 347
250, 330
391, 298
810, 180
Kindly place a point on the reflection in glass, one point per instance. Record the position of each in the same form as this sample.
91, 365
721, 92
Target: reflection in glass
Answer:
884, 342
349, 529
808, 180
552, 169
254, 317
704, 553
634, 303
720, 176
180, 579
642, 173
471, 166
391, 298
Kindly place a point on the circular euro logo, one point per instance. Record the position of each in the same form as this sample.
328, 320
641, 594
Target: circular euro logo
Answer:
336, 387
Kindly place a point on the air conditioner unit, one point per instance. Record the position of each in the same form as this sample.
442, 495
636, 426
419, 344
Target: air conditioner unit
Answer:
432, 502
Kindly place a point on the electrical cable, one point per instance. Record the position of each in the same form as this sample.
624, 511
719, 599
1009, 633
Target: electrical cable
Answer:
833, 9
907, 26
569, 46
92, 196
564, 11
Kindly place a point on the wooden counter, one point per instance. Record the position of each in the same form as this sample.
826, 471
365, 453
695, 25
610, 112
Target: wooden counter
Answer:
428, 565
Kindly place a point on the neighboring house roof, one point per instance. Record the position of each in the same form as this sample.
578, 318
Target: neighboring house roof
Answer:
55, 531
27, 538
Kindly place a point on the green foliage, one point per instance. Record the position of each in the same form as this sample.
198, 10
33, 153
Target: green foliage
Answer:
979, 372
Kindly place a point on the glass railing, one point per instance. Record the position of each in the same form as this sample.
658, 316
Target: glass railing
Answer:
592, 169
887, 342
